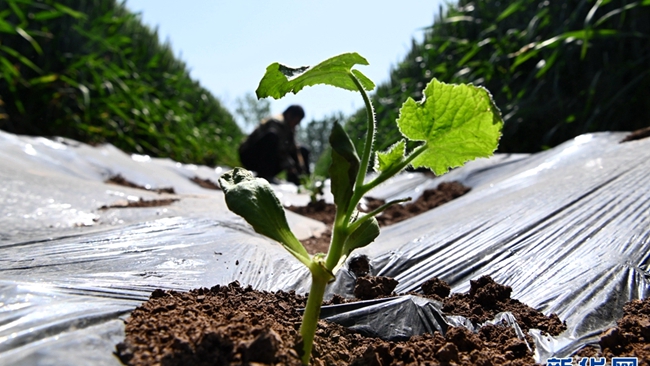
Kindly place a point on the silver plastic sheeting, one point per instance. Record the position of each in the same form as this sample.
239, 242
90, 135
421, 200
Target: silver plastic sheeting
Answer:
52, 187
568, 229
395, 318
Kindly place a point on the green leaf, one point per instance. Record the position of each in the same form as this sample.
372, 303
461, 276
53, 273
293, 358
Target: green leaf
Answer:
393, 156
6, 27
30, 39
547, 64
365, 234
280, 80
69, 11
8, 69
457, 123
511, 9
253, 199
47, 14
21, 58
19, 13
344, 168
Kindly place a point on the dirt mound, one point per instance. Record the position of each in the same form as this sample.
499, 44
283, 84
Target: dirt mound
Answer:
230, 324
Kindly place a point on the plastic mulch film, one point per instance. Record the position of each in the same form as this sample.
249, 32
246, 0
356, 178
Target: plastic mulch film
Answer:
396, 318
568, 229
58, 187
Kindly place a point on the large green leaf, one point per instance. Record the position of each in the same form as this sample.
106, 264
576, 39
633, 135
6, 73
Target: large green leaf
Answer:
457, 123
344, 168
253, 199
280, 80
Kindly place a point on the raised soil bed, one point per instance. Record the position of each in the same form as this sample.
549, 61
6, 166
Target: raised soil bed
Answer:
235, 325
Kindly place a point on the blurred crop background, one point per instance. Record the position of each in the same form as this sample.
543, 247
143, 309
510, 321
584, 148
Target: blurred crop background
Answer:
92, 71
557, 69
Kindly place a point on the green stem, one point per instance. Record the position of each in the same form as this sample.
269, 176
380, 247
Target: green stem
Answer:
339, 235
342, 221
370, 136
361, 190
367, 148
381, 178
375, 212
319, 279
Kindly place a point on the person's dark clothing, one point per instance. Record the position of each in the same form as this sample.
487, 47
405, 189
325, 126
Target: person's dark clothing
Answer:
271, 149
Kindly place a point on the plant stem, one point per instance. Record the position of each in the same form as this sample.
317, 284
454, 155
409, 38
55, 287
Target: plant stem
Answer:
319, 279
370, 136
367, 148
340, 230
381, 178
375, 212
339, 235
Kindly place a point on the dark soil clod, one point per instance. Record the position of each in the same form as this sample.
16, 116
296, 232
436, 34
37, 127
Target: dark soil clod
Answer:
436, 287
262, 348
359, 266
632, 335
487, 298
372, 287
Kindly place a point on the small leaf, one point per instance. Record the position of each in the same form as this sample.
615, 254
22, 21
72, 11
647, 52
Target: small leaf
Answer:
280, 80
344, 168
362, 236
457, 122
253, 199
393, 156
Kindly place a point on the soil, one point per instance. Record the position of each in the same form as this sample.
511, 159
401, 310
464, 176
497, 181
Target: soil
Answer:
233, 325
121, 181
486, 299
431, 198
317, 210
637, 135
630, 338
372, 287
140, 203
118, 179
205, 183
325, 212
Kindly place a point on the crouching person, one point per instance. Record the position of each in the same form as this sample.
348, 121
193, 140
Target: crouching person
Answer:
271, 148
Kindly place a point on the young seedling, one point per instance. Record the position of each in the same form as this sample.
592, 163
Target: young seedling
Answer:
313, 185
452, 123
